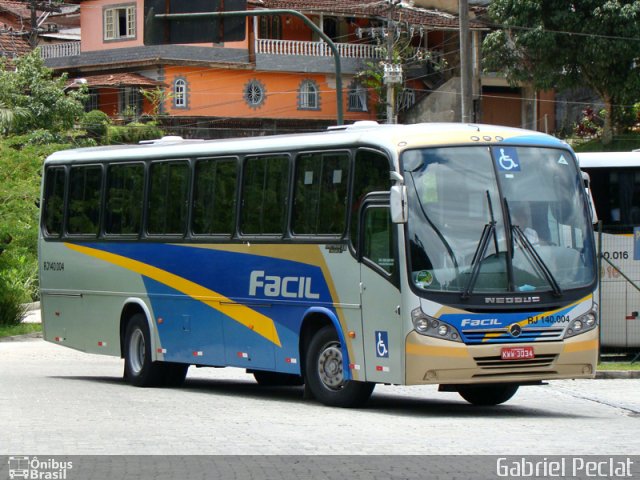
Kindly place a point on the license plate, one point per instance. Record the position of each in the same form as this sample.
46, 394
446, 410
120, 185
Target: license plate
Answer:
517, 353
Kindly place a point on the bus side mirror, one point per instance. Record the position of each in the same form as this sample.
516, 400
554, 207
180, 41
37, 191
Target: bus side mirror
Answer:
398, 204
587, 188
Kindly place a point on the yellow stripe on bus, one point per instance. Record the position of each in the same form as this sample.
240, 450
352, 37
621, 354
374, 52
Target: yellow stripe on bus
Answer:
242, 314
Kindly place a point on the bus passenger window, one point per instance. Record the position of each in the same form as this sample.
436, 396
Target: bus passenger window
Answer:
214, 197
321, 194
168, 198
125, 190
54, 201
85, 187
371, 175
264, 195
378, 243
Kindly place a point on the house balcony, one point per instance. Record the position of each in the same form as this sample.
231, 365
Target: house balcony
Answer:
270, 55
312, 57
57, 50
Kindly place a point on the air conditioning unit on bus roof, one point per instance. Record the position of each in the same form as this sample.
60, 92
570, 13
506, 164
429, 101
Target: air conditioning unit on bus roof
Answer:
168, 140
356, 125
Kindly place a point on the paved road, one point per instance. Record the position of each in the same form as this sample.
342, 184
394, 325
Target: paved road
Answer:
57, 401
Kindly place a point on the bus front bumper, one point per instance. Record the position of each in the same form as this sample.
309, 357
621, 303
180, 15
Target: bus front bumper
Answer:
430, 361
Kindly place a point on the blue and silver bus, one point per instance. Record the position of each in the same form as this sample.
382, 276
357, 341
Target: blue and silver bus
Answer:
448, 254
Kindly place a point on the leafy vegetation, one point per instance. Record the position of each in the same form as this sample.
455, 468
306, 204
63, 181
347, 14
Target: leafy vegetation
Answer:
20, 329
619, 143
619, 366
20, 173
560, 44
133, 132
33, 99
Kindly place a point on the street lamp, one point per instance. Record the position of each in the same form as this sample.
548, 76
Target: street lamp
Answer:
75, 83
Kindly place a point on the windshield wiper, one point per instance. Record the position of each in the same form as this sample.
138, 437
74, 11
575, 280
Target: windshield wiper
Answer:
488, 230
537, 260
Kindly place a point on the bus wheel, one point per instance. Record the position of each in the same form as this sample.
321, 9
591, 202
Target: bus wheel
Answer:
139, 370
488, 394
276, 379
324, 373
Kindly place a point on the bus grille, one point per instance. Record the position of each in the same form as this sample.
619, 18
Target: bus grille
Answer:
501, 335
496, 363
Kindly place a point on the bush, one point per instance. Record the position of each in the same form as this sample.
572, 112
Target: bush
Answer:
11, 309
590, 125
133, 132
96, 124
43, 137
20, 174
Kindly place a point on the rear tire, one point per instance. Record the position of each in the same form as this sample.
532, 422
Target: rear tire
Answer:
485, 395
139, 369
324, 373
276, 379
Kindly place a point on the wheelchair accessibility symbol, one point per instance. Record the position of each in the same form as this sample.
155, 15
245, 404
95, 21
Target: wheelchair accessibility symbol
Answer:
507, 159
382, 342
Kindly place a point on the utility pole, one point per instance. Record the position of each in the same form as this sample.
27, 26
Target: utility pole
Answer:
466, 102
34, 7
33, 34
392, 72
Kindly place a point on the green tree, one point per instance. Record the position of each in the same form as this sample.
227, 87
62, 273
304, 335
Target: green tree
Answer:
35, 99
564, 44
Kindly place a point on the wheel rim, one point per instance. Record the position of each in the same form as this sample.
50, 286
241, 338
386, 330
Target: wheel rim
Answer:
330, 366
137, 351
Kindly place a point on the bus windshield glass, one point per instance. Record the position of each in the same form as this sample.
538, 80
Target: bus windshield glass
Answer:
499, 219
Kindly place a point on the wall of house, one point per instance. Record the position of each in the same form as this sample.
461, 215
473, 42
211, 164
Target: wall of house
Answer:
92, 35
220, 93
442, 105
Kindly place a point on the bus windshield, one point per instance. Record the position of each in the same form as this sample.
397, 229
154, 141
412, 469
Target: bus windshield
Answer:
496, 220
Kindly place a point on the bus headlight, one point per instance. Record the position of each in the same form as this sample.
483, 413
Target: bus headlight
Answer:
432, 327
582, 324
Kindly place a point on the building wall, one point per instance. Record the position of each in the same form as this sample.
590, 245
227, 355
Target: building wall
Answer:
220, 93
92, 35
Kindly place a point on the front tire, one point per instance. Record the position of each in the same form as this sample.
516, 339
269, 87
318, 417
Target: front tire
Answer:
485, 395
324, 374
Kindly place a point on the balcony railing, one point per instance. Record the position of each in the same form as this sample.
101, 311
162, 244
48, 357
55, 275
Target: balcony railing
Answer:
57, 50
315, 49
263, 46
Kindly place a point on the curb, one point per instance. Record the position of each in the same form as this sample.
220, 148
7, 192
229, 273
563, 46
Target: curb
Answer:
617, 374
22, 338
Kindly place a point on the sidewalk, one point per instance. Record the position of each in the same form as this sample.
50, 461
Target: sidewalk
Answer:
32, 314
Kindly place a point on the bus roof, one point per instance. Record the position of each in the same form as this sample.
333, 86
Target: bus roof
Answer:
609, 159
388, 137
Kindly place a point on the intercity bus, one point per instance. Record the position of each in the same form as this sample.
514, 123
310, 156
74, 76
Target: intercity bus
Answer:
448, 254
615, 186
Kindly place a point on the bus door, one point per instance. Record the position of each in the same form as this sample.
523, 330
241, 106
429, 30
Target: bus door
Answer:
379, 291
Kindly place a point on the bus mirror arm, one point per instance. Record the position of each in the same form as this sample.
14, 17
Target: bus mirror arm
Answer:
398, 204
587, 189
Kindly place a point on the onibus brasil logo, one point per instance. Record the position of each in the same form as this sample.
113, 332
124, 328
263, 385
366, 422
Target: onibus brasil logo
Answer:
37, 469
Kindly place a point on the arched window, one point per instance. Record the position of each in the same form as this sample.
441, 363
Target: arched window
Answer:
308, 96
180, 93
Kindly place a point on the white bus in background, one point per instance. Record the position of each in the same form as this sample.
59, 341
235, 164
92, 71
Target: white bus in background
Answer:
615, 187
